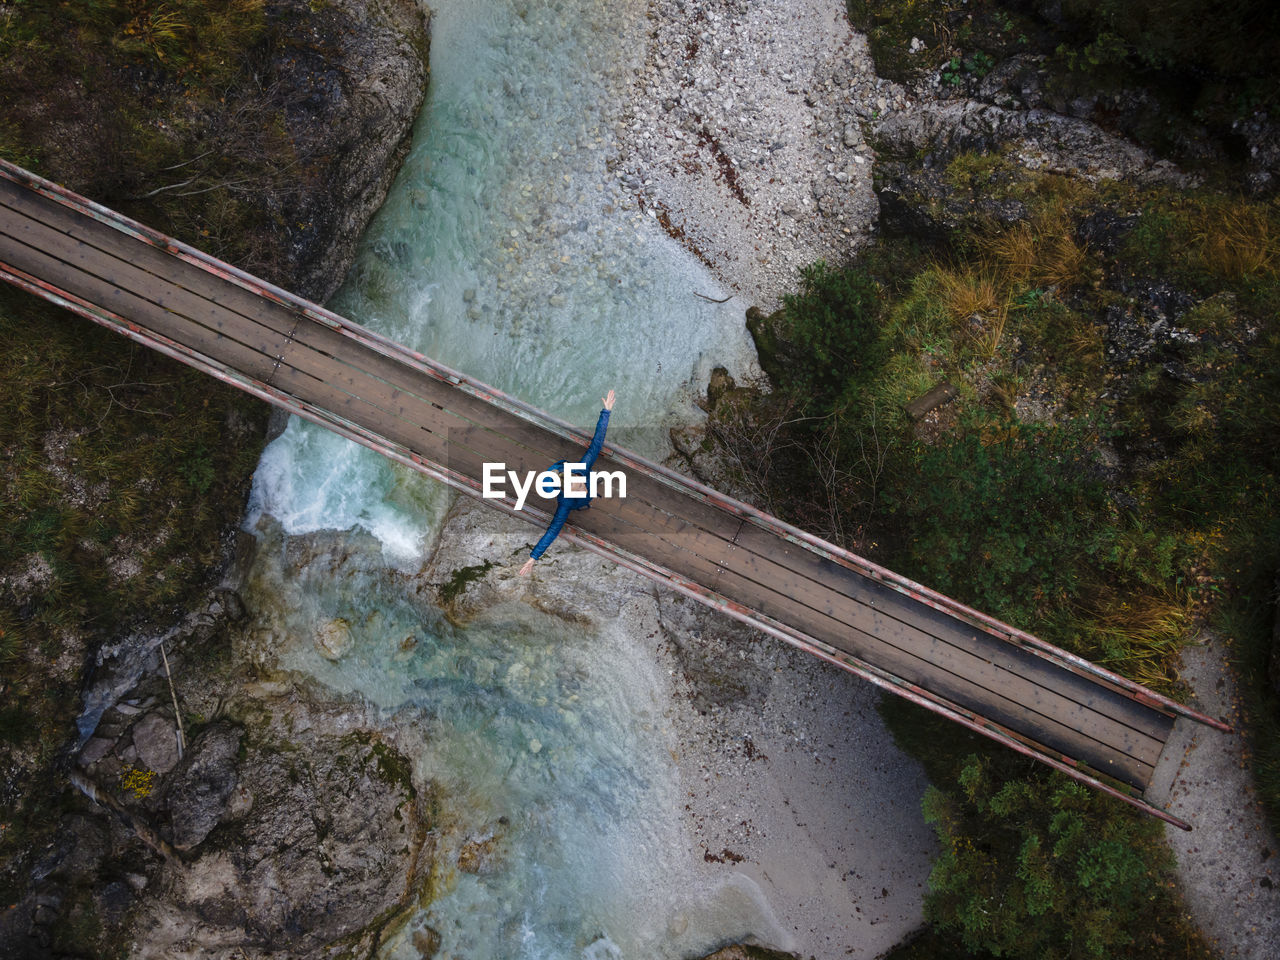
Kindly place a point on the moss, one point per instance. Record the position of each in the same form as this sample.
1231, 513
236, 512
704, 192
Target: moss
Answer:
79, 927
763, 328
394, 768
973, 170
462, 578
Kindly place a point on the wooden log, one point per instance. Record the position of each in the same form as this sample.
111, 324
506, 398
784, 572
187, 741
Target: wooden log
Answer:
920, 406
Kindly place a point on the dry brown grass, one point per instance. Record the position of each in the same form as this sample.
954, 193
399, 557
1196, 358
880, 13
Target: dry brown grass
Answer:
1138, 633
1014, 251
1235, 240
1043, 251
977, 301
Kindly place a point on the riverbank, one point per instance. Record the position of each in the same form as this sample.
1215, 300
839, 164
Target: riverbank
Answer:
1087, 302
244, 130
743, 136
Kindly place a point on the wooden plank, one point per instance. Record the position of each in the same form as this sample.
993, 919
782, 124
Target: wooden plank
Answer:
163, 321
741, 583
781, 555
1082, 689
152, 316
281, 319
161, 263
93, 262
110, 269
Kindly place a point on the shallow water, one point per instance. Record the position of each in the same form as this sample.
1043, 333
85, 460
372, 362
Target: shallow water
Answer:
507, 250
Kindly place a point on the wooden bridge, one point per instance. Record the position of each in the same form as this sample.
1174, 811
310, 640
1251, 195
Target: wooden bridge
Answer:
1042, 701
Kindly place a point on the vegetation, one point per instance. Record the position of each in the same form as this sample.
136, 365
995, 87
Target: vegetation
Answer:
1200, 64
1052, 869
460, 579
121, 470
1109, 491
191, 135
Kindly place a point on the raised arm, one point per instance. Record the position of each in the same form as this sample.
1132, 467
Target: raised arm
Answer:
602, 425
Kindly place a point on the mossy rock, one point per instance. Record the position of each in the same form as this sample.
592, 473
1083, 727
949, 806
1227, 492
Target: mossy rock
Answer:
773, 348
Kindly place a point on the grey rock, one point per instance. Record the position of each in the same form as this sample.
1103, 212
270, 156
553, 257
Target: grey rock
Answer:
356, 71
745, 952
95, 750
1104, 231
919, 201
155, 738
333, 639
333, 840
197, 796
1045, 140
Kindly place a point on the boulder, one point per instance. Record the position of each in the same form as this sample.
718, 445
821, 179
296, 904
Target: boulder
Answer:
355, 74
155, 738
333, 639
720, 384
198, 794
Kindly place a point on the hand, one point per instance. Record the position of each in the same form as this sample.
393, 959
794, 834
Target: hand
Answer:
608, 401
528, 565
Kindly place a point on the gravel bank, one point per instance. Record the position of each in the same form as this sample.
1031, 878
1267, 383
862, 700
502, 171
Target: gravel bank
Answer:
744, 125
743, 137
1227, 862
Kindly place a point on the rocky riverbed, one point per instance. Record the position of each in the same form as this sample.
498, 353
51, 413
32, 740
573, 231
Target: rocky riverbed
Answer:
744, 136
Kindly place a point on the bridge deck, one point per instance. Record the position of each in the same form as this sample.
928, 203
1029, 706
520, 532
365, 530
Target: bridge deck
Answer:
986, 675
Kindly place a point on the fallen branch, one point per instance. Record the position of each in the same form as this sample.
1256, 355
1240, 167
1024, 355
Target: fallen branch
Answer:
182, 735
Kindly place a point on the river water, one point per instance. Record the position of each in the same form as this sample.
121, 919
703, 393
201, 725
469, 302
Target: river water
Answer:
507, 250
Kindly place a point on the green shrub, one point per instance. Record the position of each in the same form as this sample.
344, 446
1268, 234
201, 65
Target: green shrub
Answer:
1044, 867
1000, 514
835, 321
1237, 39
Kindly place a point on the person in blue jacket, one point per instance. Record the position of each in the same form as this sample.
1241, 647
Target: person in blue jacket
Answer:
567, 503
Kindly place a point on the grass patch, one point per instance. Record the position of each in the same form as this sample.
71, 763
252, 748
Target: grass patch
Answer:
1212, 241
95, 448
192, 139
198, 41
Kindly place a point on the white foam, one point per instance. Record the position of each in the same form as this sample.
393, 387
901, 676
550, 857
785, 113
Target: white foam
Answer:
312, 479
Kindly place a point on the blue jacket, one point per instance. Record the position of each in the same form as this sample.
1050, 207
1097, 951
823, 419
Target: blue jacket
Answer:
566, 503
